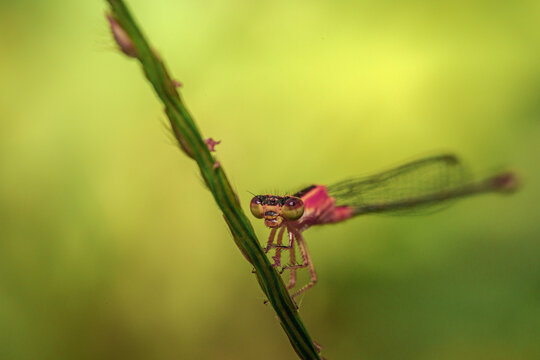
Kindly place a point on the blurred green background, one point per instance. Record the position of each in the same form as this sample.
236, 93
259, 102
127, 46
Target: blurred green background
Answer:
111, 248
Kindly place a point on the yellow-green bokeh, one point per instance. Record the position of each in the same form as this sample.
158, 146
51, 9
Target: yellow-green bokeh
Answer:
111, 247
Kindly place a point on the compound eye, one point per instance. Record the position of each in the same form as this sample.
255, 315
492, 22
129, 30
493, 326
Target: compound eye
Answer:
256, 207
293, 209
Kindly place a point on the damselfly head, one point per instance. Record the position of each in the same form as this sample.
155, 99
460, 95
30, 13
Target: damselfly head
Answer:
276, 209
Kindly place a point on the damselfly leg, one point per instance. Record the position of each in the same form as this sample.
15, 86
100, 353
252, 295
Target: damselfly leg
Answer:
278, 245
307, 262
294, 236
270, 242
292, 259
279, 248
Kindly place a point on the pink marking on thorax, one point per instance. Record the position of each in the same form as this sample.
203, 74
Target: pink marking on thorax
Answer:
342, 213
319, 208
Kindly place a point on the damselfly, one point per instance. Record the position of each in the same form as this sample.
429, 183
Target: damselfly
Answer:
424, 183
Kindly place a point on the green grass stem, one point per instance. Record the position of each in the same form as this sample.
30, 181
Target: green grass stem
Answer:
133, 43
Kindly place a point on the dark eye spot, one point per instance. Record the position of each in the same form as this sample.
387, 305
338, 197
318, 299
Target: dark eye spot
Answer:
291, 203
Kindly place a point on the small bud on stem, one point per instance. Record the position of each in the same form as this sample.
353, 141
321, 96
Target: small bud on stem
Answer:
211, 143
122, 38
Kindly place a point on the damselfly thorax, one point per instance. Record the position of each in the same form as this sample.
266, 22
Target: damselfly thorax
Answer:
418, 184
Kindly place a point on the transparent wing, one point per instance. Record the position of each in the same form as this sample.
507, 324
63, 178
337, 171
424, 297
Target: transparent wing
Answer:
420, 184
